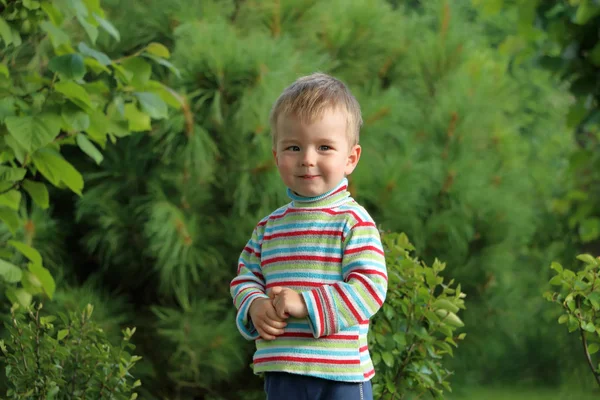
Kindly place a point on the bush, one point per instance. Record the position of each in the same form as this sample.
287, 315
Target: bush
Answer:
579, 299
65, 358
416, 326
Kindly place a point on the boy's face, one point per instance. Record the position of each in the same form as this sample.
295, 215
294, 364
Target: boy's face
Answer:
313, 158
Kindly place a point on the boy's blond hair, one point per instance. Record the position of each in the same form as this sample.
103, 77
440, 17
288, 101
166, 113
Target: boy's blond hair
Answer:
309, 97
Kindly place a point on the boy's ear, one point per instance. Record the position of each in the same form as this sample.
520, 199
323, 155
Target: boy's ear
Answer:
353, 158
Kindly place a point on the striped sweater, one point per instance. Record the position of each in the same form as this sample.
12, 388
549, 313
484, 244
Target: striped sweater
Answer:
328, 249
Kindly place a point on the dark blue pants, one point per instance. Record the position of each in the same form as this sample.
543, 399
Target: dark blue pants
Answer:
284, 386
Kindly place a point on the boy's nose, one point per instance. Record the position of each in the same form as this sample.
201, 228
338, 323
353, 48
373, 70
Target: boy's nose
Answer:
309, 159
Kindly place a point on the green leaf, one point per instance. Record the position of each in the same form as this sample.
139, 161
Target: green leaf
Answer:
20, 296
88, 148
53, 14
170, 96
75, 93
98, 127
138, 121
4, 70
62, 334
34, 132
11, 199
32, 254
140, 69
588, 259
69, 66
10, 272
108, 27
593, 348
589, 327
158, 50
45, 278
90, 29
152, 104
31, 4
165, 63
38, 192
10, 218
388, 359
56, 169
57, 36
5, 32
98, 55
75, 120
585, 12
563, 318
7, 108
12, 174
557, 267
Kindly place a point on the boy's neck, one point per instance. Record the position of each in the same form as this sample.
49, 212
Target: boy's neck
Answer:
329, 199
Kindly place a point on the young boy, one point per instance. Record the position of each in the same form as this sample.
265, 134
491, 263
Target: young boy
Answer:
313, 273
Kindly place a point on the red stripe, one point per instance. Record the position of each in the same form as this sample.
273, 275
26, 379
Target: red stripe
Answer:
236, 282
321, 330
246, 299
304, 360
251, 251
364, 348
348, 302
364, 248
294, 283
365, 224
325, 210
329, 309
310, 335
303, 233
259, 275
363, 271
369, 374
369, 287
302, 258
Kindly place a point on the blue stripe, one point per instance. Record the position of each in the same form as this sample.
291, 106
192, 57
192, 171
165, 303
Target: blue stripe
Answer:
357, 300
304, 225
364, 263
298, 274
297, 249
302, 350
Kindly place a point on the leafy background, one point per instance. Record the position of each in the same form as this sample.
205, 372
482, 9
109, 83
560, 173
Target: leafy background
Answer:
480, 143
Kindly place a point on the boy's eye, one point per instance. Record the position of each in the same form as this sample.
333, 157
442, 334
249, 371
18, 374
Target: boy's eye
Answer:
324, 148
293, 148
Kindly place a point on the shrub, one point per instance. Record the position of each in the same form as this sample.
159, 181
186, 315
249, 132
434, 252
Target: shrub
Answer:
416, 327
67, 357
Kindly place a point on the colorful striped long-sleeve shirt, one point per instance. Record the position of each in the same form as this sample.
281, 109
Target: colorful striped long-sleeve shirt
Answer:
328, 249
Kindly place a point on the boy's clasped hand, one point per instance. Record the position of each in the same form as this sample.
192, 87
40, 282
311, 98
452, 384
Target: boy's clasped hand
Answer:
269, 315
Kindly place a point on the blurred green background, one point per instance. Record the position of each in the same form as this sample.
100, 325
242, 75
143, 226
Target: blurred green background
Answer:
480, 141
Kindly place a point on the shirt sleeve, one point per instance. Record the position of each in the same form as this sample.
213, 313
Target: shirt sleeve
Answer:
248, 285
332, 308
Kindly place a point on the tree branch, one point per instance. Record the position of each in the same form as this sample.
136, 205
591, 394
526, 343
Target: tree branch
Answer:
585, 348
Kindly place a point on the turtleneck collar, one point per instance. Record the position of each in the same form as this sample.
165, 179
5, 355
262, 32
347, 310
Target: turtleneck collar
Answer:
334, 197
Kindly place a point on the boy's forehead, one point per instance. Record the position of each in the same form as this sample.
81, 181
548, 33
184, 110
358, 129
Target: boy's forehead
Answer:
331, 115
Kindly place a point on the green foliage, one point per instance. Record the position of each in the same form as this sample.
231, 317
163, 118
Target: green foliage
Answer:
457, 145
58, 91
579, 299
201, 355
60, 357
562, 37
415, 328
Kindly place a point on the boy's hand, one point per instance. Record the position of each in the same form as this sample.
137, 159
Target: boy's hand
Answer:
288, 302
265, 319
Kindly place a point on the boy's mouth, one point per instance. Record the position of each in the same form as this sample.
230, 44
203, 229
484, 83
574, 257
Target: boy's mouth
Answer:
308, 176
